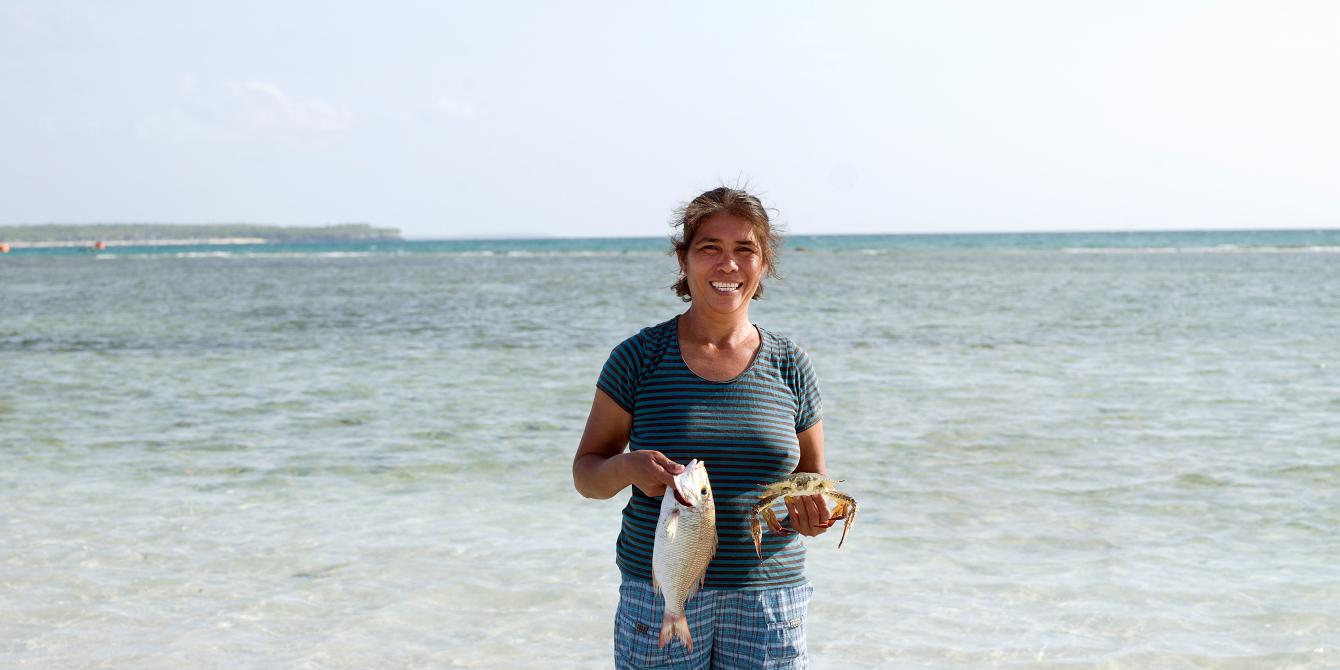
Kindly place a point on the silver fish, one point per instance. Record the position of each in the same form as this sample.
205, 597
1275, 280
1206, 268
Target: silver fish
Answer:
686, 540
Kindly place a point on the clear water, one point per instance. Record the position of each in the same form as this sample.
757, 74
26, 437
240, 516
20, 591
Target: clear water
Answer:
1097, 452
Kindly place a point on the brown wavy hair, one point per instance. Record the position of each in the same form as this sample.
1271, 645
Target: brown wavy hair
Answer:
733, 201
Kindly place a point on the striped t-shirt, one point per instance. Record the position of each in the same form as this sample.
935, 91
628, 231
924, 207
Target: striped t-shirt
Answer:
744, 430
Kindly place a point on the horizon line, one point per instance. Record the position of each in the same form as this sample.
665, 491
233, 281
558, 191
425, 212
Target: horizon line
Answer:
533, 236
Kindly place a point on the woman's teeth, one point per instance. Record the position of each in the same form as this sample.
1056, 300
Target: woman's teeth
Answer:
725, 286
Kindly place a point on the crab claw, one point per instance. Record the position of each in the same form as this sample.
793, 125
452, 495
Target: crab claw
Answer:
832, 521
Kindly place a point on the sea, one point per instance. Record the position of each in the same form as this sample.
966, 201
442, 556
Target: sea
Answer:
1099, 450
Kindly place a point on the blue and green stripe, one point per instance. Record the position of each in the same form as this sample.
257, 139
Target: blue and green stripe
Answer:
744, 429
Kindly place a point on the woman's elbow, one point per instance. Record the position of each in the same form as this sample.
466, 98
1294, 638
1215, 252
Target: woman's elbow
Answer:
594, 495
586, 482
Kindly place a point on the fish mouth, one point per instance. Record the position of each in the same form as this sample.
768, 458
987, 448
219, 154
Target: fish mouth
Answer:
683, 476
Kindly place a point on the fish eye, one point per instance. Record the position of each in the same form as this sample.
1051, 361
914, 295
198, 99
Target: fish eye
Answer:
704, 491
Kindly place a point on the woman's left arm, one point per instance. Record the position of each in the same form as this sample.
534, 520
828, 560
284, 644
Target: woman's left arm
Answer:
809, 514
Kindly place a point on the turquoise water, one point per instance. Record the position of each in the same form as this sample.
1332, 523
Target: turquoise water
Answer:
1077, 451
1203, 241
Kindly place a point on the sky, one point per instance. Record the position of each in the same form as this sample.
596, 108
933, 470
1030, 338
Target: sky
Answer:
574, 119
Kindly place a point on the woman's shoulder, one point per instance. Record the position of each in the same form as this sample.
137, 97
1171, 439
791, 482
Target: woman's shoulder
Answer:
662, 330
650, 338
781, 346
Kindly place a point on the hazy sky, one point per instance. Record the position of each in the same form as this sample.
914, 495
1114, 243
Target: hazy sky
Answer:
584, 118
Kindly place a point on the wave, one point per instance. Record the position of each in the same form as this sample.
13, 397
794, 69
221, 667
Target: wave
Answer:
1221, 249
1218, 249
367, 254
625, 253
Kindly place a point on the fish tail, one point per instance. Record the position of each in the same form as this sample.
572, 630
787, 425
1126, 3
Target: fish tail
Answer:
676, 625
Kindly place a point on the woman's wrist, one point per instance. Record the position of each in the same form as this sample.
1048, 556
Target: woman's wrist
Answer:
617, 468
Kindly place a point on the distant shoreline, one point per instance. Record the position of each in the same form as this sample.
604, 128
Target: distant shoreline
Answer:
61, 244
65, 235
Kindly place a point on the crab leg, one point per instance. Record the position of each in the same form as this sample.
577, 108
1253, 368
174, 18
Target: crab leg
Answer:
756, 531
764, 509
839, 513
846, 509
773, 524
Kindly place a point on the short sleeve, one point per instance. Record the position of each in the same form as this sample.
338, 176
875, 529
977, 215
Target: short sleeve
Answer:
805, 384
619, 377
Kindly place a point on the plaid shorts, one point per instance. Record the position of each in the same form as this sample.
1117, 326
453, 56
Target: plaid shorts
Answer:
731, 629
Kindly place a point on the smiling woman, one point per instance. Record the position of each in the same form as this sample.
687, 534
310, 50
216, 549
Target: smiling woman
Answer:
732, 204
710, 385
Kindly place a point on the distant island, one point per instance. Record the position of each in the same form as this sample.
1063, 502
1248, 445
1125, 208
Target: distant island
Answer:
163, 234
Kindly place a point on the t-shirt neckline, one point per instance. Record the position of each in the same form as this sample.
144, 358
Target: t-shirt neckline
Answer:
679, 350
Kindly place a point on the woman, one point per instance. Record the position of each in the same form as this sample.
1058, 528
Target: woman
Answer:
708, 384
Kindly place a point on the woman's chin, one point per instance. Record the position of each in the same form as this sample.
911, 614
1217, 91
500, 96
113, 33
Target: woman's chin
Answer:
723, 304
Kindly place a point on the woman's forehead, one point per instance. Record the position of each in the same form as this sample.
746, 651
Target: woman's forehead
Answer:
723, 227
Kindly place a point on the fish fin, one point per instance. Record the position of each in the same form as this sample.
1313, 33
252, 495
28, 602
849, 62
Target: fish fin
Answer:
701, 579
675, 625
672, 525
694, 586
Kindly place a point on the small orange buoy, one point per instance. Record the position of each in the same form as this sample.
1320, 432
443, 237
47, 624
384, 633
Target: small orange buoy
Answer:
99, 245
4, 247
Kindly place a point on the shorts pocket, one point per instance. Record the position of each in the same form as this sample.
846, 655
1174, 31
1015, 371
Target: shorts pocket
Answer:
785, 634
786, 644
635, 641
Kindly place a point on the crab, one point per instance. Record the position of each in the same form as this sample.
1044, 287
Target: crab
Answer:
800, 484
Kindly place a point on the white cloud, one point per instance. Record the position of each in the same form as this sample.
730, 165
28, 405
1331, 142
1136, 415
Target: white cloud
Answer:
455, 109
248, 111
265, 107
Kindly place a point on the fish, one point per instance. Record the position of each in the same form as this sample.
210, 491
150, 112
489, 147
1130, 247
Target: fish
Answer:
686, 541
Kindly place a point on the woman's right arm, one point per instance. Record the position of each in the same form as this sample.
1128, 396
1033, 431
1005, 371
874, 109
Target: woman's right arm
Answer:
601, 469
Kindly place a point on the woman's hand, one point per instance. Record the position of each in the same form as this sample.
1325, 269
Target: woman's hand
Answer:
808, 515
649, 470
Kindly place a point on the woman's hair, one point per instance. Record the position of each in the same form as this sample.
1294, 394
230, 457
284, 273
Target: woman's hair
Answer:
733, 201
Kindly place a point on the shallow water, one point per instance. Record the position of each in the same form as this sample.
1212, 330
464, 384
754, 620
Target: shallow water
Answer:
1118, 460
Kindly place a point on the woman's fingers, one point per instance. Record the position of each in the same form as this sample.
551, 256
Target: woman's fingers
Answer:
668, 469
796, 517
672, 467
652, 471
808, 514
818, 509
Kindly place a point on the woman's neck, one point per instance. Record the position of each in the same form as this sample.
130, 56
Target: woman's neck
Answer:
722, 331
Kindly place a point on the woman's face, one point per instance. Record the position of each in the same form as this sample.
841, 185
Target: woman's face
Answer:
723, 264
